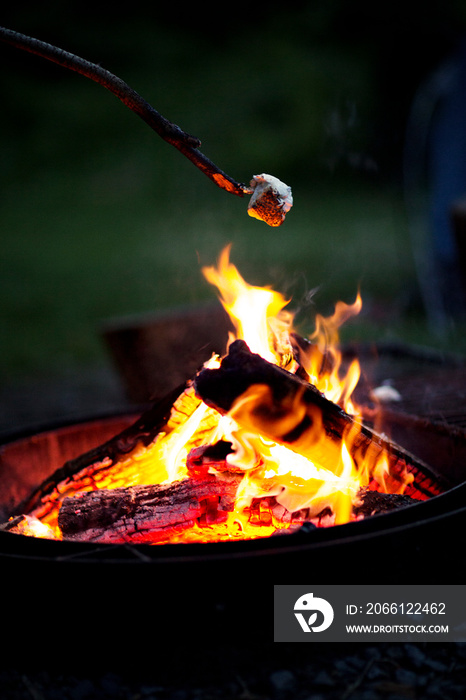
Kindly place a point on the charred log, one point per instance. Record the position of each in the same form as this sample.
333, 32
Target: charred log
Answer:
147, 513
209, 457
373, 502
286, 409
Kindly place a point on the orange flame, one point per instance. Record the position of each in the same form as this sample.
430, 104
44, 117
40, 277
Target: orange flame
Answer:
316, 474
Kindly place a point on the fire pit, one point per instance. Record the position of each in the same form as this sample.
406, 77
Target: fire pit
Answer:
204, 592
217, 577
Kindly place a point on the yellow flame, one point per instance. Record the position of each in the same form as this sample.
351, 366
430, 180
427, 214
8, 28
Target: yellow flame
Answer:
253, 310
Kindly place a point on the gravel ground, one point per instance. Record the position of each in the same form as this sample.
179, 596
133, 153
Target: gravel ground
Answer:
280, 672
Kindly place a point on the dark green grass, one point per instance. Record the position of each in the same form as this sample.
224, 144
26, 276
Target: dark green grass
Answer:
80, 251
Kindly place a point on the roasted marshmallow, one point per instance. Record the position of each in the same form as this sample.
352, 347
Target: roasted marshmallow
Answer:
271, 199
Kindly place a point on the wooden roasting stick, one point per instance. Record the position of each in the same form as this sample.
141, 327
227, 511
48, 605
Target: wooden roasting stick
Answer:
271, 199
286, 409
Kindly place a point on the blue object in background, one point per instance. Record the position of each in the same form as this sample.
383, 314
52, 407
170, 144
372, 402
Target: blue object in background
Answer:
435, 178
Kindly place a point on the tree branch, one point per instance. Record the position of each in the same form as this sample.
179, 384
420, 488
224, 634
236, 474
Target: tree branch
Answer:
171, 133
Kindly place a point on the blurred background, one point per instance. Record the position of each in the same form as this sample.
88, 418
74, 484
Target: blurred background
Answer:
99, 218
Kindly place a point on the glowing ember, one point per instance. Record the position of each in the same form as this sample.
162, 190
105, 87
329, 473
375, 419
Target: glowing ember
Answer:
282, 482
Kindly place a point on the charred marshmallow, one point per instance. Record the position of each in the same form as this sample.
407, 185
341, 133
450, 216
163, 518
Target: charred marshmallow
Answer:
271, 199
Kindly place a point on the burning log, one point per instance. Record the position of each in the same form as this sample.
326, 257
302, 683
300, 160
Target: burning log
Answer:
151, 514
147, 513
284, 408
